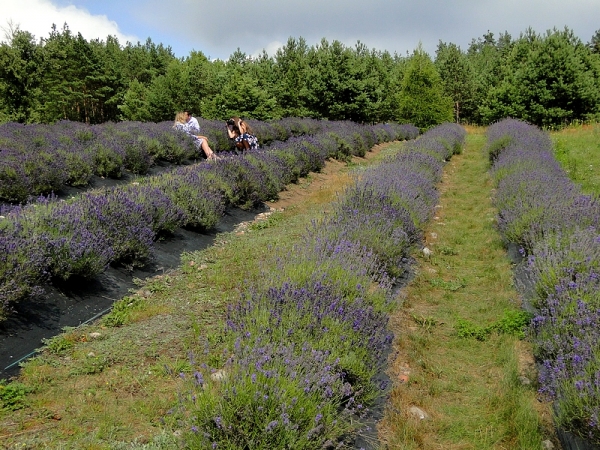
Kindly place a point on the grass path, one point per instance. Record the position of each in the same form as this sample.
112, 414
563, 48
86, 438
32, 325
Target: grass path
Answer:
475, 393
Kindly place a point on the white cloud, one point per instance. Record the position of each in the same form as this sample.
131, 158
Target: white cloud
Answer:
271, 48
37, 17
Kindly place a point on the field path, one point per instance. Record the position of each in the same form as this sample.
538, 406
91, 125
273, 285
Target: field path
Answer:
470, 393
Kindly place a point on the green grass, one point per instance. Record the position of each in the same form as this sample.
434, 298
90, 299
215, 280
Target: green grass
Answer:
458, 334
577, 148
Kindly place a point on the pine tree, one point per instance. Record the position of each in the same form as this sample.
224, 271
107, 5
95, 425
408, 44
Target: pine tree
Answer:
422, 101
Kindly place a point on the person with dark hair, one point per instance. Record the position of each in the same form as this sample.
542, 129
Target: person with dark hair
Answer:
182, 123
192, 122
241, 133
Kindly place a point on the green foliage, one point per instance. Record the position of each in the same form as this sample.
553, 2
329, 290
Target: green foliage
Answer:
121, 311
421, 100
548, 80
457, 77
513, 322
12, 395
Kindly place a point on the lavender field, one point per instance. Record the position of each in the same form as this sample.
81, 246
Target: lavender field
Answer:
39, 159
305, 344
555, 227
51, 238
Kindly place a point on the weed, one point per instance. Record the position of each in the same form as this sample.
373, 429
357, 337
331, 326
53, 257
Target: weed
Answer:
61, 343
447, 250
121, 311
452, 285
12, 395
90, 365
270, 221
466, 329
425, 322
513, 322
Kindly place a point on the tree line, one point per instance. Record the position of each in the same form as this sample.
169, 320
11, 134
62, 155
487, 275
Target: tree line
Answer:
547, 79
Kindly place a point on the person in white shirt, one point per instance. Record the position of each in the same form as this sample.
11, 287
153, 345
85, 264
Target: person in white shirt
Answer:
184, 122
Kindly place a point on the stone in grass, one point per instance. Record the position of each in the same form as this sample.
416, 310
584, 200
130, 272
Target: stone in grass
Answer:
524, 380
418, 413
219, 375
548, 445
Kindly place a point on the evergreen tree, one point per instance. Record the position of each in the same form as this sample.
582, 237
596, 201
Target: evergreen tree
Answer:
290, 71
457, 77
594, 44
20, 74
135, 104
485, 61
422, 101
548, 80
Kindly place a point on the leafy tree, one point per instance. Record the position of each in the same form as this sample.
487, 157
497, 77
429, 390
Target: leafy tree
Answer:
422, 101
594, 44
457, 77
548, 80
20, 73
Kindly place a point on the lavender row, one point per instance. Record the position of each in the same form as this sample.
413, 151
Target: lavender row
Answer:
305, 345
81, 236
556, 226
40, 159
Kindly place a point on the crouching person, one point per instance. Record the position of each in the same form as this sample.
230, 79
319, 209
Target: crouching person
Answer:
184, 123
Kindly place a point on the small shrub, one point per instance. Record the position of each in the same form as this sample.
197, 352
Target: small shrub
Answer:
121, 311
13, 395
107, 162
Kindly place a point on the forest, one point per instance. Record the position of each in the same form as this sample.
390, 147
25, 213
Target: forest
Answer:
548, 79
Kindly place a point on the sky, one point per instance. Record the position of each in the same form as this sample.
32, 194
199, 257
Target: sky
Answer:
218, 28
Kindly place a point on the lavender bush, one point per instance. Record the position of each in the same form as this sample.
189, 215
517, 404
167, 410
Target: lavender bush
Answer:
23, 260
81, 236
557, 228
193, 192
305, 344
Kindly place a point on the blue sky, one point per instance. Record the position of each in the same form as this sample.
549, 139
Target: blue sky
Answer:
219, 28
